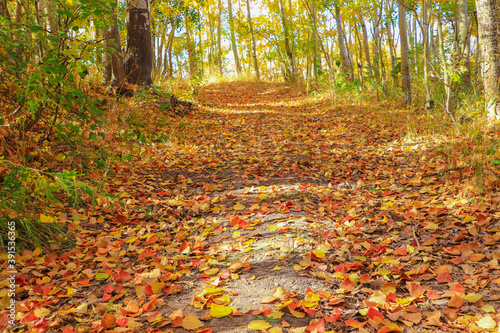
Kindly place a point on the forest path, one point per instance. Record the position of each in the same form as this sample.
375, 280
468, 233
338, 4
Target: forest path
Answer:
275, 209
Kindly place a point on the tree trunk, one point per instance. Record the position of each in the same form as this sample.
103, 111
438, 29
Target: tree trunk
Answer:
405, 68
233, 38
463, 26
219, 47
254, 46
346, 63
4, 11
446, 71
117, 66
390, 40
51, 21
290, 70
189, 44
315, 62
427, 56
488, 42
365, 44
107, 70
139, 58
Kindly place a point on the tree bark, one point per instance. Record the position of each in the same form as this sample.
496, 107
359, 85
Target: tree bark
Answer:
117, 66
290, 75
189, 44
463, 26
427, 55
488, 42
139, 57
365, 43
219, 47
405, 68
233, 38
254, 46
346, 62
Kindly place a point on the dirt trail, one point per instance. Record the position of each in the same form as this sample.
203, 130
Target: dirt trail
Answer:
293, 211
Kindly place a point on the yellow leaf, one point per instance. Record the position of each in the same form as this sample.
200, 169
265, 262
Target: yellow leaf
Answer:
275, 330
487, 323
319, 253
275, 315
473, 298
236, 234
70, 293
276, 268
40, 312
280, 293
488, 308
191, 322
157, 287
37, 252
101, 276
219, 311
60, 157
259, 325
82, 308
238, 206
212, 271
47, 218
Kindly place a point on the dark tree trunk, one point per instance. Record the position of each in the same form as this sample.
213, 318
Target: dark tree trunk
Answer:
139, 57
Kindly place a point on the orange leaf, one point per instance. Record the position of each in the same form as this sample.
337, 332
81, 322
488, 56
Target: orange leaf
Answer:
191, 322
416, 290
108, 320
354, 323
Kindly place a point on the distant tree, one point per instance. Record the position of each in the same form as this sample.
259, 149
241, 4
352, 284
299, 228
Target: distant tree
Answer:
139, 55
405, 66
254, 46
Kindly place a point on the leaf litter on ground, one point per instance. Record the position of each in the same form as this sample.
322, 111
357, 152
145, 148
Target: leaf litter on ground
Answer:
273, 211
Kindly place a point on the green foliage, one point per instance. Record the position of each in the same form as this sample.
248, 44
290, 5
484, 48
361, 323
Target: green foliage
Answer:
43, 71
22, 192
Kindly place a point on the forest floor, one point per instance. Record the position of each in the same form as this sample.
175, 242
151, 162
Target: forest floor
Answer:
279, 212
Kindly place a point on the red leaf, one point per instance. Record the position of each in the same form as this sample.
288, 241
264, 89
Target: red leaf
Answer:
122, 321
372, 313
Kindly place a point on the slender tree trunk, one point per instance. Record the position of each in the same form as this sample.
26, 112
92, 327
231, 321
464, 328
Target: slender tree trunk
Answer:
376, 53
211, 55
200, 42
139, 58
360, 56
446, 71
390, 39
117, 64
346, 63
189, 44
168, 50
254, 46
159, 59
405, 69
233, 38
487, 17
463, 27
219, 48
290, 70
365, 43
107, 70
51, 20
427, 57
315, 63
4, 10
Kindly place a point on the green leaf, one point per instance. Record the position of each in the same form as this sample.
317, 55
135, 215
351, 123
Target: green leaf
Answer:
93, 137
